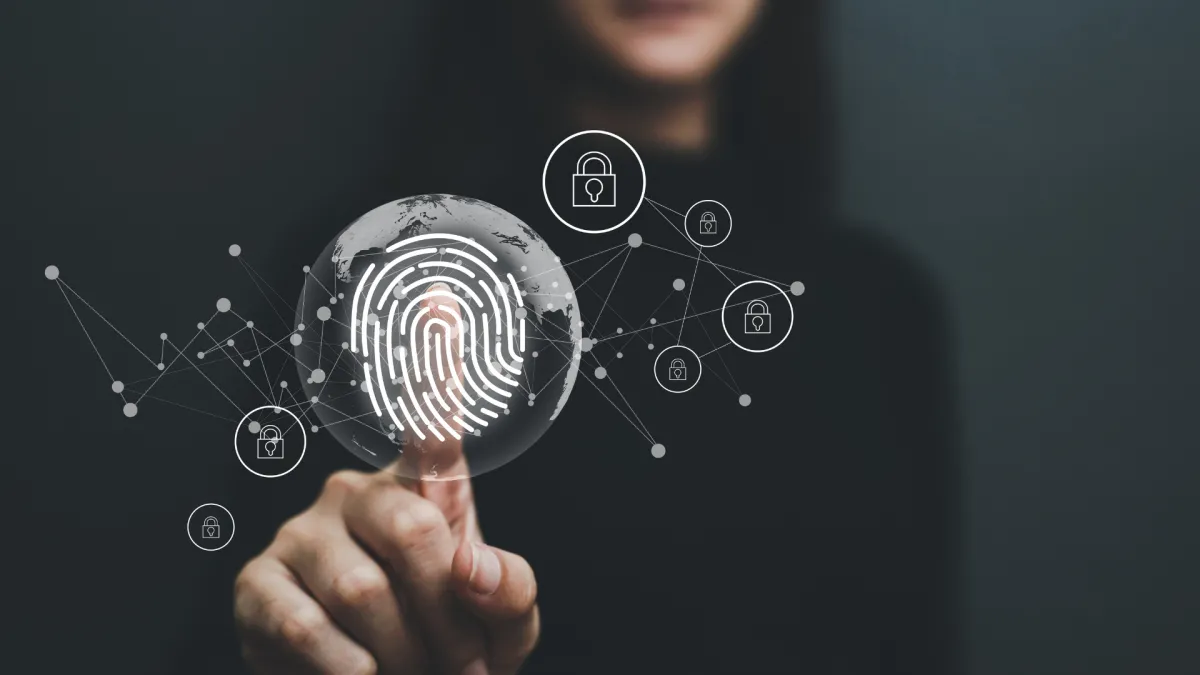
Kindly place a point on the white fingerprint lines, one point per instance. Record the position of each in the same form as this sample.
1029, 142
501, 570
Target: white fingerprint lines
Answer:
449, 351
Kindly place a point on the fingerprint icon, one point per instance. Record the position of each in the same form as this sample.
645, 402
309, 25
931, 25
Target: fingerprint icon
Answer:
440, 334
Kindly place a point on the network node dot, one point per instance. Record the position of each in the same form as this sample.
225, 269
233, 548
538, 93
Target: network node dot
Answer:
323, 313
223, 305
635, 240
283, 384
650, 346
620, 330
744, 399
314, 428
162, 366
130, 409
620, 355
554, 284
522, 312
200, 326
653, 321
254, 427
118, 386
679, 284
300, 327
199, 355
249, 324
229, 342
534, 355
235, 250
296, 339
306, 269
524, 268
162, 336
246, 362
601, 373
52, 272
341, 295
318, 376
345, 345
333, 301
797, 288
568, 296
586, 344
658, 451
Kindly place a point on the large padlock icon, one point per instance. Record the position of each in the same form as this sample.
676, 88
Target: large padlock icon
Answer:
677, 371
211, 529
708, 223
594, 183
758, 318
270, 442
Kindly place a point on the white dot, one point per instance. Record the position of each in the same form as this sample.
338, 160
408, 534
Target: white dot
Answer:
253, 427
235, 250
679, 284
650, 346
223, 305
601, 373
229, 342
635, 240
306, 269
620, 355
554, 284
200, 326
300, 327
586, 344
118, 387
549, 305
345, 345
341, 295
162, 366
522, 312
797, 288
568, 296
199, 355
162, 336
246, 362
52, 274
283, 384
130, 409
333, 301
323, 313
535, 355
296, 339
318, 376
314, 428
620, 330
353, 383
653, 321
658, 451
249, 324
524, 268
744, 399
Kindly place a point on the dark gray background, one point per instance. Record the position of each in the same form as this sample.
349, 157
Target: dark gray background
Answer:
1040, 157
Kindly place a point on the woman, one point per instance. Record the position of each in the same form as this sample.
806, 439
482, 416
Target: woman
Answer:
809, 536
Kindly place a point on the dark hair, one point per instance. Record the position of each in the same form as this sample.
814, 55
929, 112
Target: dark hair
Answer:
497, 72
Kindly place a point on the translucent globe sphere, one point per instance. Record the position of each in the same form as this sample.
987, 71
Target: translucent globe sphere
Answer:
437, 337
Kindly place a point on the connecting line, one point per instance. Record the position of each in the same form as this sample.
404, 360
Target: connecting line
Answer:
683, 234
645, 430
214, 384
568, 264
692, 316
728, 370
322, 389
179, 354
185, 407
727, 267
596, 321
208, 363
714, 351
261, 362
593, 275
89, 337
270, 303
239, 367
569, 358
688, 304
97, 313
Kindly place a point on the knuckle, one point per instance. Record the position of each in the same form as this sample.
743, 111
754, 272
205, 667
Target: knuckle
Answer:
365, 666
299, 531
246, 593
302, 629
418, 521
361, 587
526, 597
344, 482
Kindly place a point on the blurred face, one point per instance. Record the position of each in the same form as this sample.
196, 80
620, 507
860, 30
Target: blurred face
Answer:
667, 42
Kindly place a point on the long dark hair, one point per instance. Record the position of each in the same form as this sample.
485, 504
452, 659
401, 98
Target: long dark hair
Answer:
497, 73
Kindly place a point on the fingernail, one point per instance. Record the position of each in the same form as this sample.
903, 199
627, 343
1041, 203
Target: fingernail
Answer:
485, 570
476, 667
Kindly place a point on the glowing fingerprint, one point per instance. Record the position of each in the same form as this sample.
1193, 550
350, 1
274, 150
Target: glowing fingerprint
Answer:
451, 330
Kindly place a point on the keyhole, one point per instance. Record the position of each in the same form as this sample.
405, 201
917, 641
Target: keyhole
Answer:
210, 531
595, 184
757, 321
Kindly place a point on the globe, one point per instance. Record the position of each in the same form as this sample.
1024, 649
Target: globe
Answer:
437, 337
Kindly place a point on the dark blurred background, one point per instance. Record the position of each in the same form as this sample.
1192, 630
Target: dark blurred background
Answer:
1041, 158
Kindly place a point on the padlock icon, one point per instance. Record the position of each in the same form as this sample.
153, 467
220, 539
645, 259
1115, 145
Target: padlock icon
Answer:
677, 371
708, 223
270, 442
211, 529
758, 318
594, 183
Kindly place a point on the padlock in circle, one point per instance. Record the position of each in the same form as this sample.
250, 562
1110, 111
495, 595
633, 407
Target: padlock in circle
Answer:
708, 223
677, 371
591, 186
758, 318
211, 529
270, 442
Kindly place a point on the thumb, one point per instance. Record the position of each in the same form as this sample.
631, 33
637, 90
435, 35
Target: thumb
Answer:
500, 588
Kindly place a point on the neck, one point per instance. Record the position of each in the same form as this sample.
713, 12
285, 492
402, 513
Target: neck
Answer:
681, 121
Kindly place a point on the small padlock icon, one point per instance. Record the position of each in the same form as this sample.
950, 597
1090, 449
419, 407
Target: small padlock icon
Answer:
708, 223
758, 318
677, 371
211, 529
594, 183
270, 442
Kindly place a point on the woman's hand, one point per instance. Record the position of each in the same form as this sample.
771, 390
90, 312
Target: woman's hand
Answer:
385, 576
376, 578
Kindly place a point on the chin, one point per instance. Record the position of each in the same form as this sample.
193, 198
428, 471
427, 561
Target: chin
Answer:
668, 64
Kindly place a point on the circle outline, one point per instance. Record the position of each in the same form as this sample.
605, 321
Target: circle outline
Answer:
546, 170
303, 447
791, 316
232, 531
688, 232
698, 375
